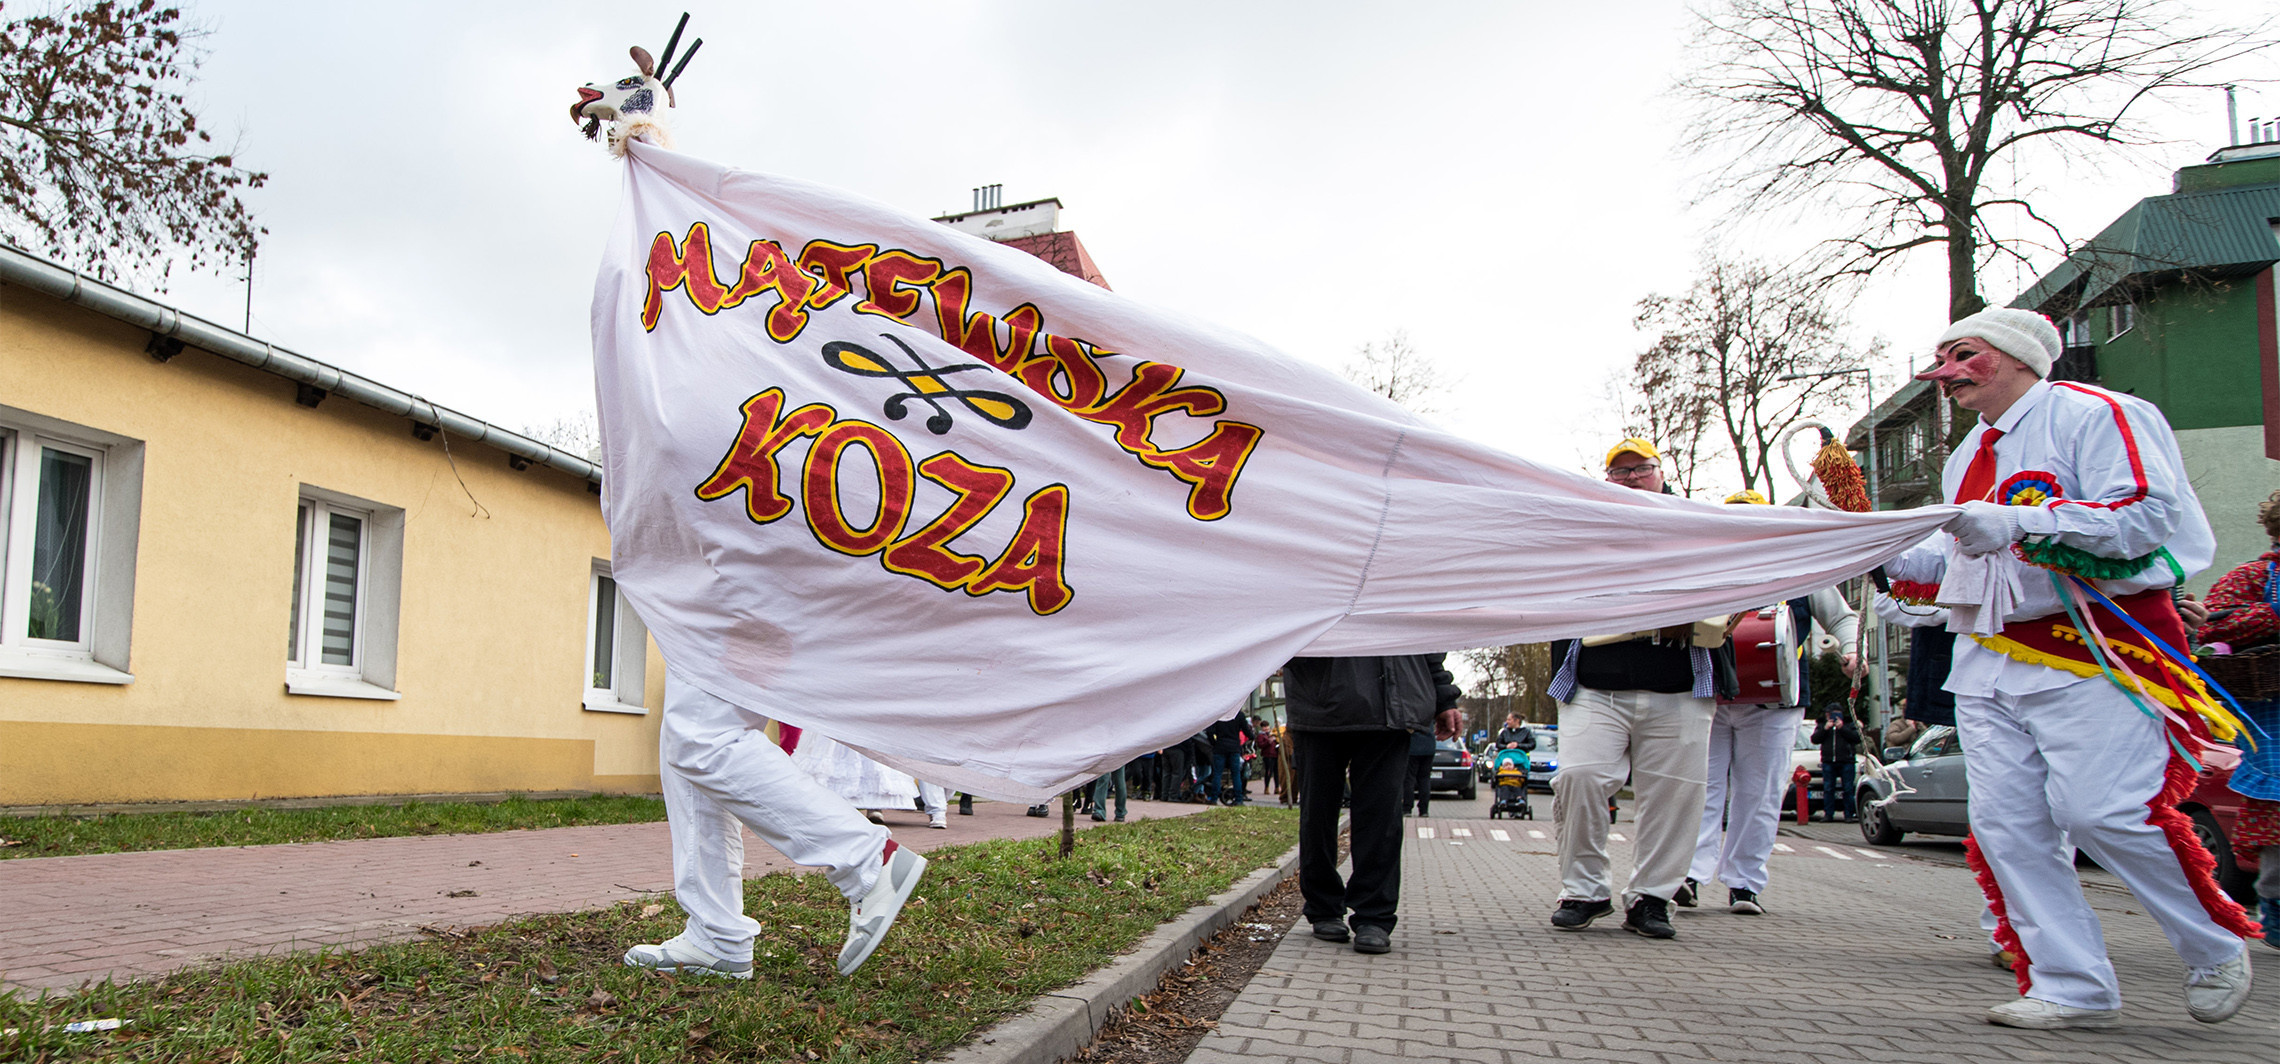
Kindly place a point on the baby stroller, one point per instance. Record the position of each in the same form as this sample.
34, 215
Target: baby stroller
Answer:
1511, 787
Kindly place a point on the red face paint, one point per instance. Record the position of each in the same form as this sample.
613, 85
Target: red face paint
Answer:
1964, 362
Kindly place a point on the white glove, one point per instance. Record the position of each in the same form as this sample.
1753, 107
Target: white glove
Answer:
1984, 528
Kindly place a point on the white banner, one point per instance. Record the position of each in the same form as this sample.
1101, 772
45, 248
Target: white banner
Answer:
1005, 529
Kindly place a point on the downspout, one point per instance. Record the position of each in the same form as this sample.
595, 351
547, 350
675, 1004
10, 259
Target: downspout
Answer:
39, 275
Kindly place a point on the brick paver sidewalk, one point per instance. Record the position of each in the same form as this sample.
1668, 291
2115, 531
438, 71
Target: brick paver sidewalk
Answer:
65, 920
1860, 959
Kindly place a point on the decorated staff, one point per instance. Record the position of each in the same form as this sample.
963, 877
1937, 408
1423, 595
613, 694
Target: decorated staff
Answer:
2079, 718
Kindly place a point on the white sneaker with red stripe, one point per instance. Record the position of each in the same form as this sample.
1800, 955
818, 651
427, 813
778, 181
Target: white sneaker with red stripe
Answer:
872, 916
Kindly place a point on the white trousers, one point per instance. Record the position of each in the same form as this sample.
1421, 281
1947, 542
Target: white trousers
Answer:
720, 775
937, 798
1660, 742
2076, 764
1741, 812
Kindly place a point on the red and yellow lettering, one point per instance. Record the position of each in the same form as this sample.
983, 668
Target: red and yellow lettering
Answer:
826, 512
1080, 383
768, 269
1210, 467
833, 266
885, 274
976, 334
751, 461
687, 266
1134, 408
924, 553
1033, 561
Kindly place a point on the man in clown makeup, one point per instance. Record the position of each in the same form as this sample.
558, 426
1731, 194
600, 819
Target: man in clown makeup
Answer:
2060, 481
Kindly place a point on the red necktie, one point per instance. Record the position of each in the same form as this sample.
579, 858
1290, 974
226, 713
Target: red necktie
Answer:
1979, 476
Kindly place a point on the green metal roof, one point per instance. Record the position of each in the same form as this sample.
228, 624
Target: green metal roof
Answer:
2220, 232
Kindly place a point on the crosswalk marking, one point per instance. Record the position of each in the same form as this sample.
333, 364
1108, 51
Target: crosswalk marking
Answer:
1870, 854
1617, 836
1460, 833
1783, 847
1535, 834
1834, 852
1499, 834
1424, 832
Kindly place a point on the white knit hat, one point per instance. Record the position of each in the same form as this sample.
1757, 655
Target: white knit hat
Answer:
2021, 334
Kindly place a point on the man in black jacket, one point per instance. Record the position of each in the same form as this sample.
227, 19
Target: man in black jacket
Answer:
1839, 737
1350, 722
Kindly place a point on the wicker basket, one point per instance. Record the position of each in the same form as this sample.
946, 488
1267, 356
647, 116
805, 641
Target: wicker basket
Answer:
2250, 674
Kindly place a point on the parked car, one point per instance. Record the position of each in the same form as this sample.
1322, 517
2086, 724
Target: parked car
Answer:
1805, 754
1938, 796
1544, 760
1453, 769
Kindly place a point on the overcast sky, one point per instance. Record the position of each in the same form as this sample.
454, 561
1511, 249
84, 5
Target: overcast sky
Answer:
1502, 180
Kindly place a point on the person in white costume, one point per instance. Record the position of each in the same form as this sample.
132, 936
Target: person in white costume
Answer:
866, 784
721, 773
1749, 767
2092, 481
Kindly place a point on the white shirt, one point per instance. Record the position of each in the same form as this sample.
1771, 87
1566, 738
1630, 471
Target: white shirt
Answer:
2125, 495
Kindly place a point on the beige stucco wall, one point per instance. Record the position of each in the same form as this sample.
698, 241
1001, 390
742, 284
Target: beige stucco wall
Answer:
491, 639
2230, 473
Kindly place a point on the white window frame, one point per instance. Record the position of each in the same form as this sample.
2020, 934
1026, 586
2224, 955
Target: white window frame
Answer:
371, 673
106, 620
2120, 319
629, 649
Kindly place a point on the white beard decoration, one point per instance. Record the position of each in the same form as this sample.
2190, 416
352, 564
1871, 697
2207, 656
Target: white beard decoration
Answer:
629, 104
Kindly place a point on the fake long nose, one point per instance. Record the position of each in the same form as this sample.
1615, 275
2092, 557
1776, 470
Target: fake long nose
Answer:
1940, 374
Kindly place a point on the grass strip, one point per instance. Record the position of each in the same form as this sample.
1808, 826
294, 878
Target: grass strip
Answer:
63, 836
992, 926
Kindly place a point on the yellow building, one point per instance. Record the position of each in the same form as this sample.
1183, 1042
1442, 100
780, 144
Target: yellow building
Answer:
228, 571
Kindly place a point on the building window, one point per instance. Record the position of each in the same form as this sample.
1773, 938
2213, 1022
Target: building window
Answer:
2075, 330
2120, 318
347, 563
617, 647
69, 505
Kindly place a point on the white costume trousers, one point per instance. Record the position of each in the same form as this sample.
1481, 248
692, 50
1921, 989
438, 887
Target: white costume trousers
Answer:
937, 799
1660, 742
2076, 764
1741, 812
719, 771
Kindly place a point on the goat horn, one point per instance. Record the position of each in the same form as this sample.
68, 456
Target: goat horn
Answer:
692, 54
671, 44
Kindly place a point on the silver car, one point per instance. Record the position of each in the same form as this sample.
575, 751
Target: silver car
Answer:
1933, 794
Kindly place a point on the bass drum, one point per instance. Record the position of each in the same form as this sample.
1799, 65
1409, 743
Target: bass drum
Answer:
1767, 658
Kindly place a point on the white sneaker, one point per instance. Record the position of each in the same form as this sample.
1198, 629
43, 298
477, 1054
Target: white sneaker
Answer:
677, 954
867, 924
2040, 1015
2212, 995
938, 819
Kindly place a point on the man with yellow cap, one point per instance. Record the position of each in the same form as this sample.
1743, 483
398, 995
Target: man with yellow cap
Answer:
1636, 708
1750, 739
2073, 497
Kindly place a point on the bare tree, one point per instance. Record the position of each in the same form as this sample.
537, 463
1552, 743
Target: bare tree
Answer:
1895, 111
1668, 410
1514, 679
102, 163
578, 433
1730, 340
1394, 368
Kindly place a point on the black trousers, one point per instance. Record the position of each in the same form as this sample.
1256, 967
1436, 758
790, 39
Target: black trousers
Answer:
1376, 763
1420, 783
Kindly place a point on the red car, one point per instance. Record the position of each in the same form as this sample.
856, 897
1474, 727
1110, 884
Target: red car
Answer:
2214, 806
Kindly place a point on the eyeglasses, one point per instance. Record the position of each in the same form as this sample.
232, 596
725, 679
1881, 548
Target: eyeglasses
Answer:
1629, 472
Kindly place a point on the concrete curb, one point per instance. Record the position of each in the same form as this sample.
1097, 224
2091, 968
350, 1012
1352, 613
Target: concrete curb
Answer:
1065, 1021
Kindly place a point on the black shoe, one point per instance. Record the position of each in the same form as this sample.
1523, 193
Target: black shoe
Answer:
1684, 899
1037, 810
1370, 938
1649, 916
1575, 914
965, 805
1744, 902
1330, 930
1100, 818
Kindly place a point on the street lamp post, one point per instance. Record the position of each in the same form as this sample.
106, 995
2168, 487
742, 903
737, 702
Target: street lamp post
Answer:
1877, 672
